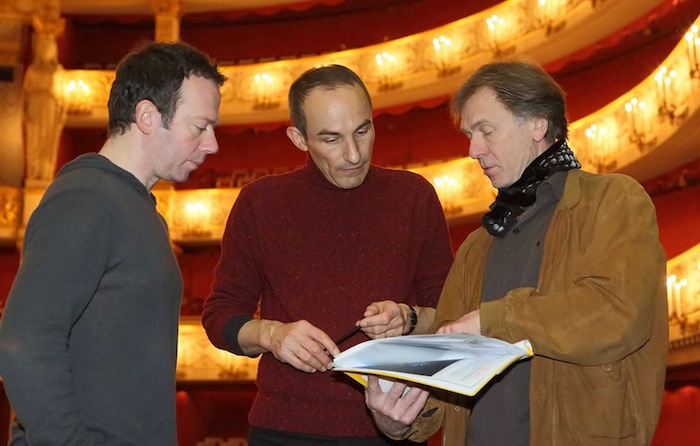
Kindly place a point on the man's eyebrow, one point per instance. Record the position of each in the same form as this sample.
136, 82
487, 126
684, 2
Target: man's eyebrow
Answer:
327, 133
478, 123
212, 121
365, 123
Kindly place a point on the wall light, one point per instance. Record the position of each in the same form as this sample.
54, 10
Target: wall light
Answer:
387, 67
77, 94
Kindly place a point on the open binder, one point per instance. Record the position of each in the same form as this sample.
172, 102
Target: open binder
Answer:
461, 363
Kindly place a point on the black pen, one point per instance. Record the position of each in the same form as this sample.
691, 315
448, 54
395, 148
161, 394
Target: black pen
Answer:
347, 335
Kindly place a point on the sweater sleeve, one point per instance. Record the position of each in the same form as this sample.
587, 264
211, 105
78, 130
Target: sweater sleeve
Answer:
238, 279
435, 255
64, 256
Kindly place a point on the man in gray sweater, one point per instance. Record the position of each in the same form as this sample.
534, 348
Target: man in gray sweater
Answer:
88, 339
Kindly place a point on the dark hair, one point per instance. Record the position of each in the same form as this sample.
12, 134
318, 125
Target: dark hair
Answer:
155, 71
326, 76
522, 87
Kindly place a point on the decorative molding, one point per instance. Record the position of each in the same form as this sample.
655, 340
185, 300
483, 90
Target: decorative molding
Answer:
25, 10
145, 7
640, 127
413, 68
684, 352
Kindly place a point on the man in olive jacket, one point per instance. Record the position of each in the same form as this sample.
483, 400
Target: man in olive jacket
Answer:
567, 259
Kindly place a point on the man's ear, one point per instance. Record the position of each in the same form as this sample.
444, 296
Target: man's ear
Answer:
147, 116
540, 125
294, 135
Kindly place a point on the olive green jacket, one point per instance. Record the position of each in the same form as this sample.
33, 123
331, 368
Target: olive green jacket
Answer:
597, 320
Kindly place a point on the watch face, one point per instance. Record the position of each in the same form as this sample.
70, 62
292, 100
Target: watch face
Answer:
412, 319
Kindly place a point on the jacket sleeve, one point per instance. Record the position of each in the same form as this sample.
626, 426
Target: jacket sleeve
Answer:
447, 410
238, 279
459, 297
603, 266
65, 253
443, 410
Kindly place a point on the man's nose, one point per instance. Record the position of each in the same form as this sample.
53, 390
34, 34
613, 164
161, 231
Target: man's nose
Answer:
477, 149
352, 152
211, 144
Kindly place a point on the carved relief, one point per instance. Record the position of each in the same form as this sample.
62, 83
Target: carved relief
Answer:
25, 9
10, 207
44, 107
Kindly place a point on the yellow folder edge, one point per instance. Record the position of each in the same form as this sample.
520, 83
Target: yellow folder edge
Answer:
362, 378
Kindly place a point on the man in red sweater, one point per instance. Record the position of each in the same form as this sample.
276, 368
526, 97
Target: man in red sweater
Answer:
335, 244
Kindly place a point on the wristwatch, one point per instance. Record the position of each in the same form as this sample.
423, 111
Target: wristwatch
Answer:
412, 319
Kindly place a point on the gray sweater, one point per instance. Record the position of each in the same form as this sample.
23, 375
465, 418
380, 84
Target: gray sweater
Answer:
88, 339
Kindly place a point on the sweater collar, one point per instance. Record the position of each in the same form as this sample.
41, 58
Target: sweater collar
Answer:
97, 161
318, 178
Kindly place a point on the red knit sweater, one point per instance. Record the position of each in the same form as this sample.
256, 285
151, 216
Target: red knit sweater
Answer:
310, 250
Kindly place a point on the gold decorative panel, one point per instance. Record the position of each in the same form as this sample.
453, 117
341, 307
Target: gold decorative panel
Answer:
199, 360
683, 289
199, 216
10, 214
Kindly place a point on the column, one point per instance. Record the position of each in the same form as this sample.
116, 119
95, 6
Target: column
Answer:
167, 20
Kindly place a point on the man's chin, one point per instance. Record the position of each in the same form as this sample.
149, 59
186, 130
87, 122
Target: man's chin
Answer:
180, 177
497, 184
351, 183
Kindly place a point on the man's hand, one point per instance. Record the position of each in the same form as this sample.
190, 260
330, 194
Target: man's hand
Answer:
394, 411
469, 323
384, 319
299, 344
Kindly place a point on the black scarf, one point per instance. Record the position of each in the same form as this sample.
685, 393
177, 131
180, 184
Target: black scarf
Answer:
513, 200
